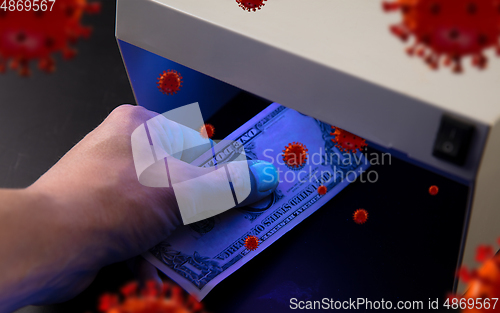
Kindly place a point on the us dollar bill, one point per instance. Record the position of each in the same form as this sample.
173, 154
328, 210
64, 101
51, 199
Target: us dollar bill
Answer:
198, 256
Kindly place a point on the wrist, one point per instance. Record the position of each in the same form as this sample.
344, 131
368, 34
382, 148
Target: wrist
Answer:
32, 249
71, 234
89, 216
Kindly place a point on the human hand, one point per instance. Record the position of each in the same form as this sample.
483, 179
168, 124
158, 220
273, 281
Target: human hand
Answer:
101, 214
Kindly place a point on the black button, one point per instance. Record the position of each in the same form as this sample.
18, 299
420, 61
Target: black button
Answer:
453, 140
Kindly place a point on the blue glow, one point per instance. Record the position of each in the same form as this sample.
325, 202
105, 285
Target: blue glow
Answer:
145, 67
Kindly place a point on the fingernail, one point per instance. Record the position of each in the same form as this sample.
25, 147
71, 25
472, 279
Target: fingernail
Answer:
265, 175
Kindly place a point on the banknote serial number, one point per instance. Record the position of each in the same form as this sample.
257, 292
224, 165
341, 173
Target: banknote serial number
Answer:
27, 5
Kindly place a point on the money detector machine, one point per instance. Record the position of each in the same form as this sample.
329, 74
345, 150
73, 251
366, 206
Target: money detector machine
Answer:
337, 62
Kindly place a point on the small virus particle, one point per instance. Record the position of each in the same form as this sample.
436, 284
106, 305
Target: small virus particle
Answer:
251, 5
29, 35
448, 29
433, 190
207, 131
251, 243
151, 299
295, 155
360, 216
322, 190
347, 142
484, 283
169, 82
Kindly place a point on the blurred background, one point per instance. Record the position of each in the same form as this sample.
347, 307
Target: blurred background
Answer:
44, 115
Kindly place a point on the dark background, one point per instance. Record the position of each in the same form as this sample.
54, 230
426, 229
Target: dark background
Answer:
43, 116
407, 250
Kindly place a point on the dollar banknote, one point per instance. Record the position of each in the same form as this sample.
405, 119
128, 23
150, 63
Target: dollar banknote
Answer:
198, 256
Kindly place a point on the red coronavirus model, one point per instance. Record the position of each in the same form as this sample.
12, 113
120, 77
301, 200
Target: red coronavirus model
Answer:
295, 155
360, 216
322, 190
251, 243
484, 284
347, 142
207, 131
151, 299
29, 35
169, 82
448, 29
251, 5
433, 190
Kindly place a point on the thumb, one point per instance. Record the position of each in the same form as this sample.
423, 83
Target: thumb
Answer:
161, 146
263, 180
205, 192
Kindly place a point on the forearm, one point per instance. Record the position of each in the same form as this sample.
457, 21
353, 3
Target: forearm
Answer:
37, 246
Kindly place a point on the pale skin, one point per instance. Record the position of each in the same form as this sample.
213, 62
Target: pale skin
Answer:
88, 211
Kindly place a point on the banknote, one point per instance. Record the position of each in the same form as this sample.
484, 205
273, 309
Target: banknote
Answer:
198, 256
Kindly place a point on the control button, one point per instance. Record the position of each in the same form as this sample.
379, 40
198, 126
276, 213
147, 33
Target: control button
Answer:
453, 140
